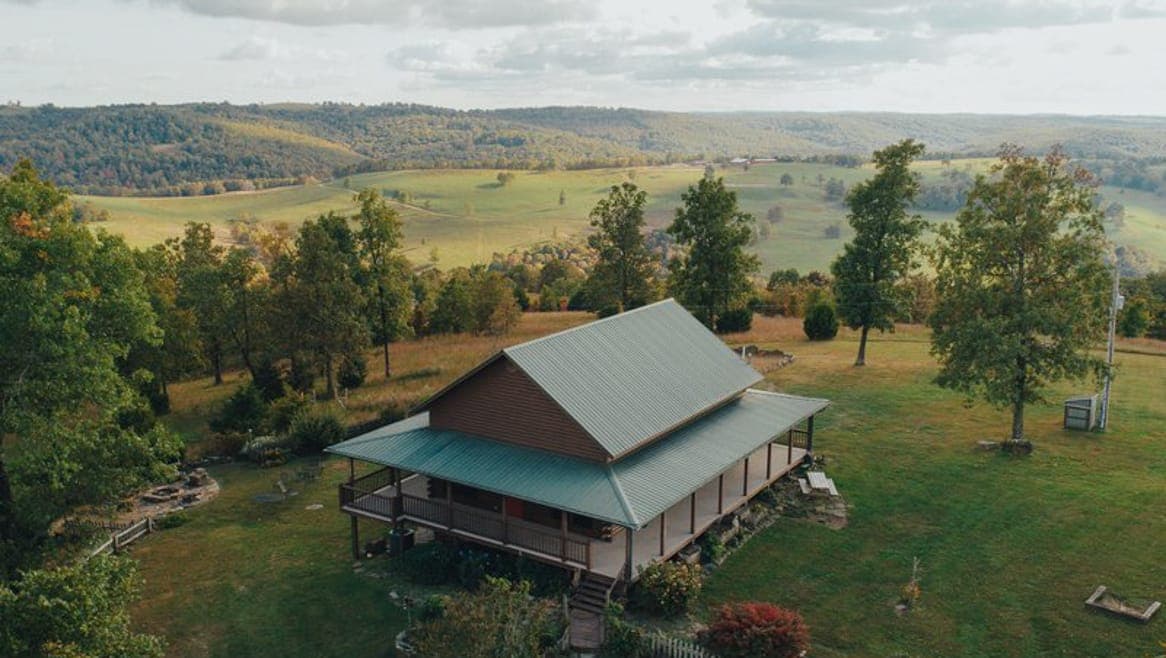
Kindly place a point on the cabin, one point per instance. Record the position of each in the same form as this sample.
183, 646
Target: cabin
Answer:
601, 448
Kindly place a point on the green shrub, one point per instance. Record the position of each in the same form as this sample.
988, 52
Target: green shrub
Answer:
269, 381
169, 521
433, 607
735, 320
756, 630
353, 370
244, 411
821, 322
226, 444
712, 548
500, 619
428, 564
313, 430
302, 375
284, 411
667, 588
622, 639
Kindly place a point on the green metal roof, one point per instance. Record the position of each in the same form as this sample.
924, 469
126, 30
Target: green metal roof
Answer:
630, 492
632, 377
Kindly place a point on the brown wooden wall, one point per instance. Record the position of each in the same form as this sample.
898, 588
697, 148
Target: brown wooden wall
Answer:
500, 402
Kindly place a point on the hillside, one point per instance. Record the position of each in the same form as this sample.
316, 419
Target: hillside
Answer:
467, 216
209, 148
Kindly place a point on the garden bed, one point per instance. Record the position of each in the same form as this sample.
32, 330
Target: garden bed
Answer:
1103, 599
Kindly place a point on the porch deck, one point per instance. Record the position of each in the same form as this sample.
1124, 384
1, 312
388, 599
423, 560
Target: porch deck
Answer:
660, 539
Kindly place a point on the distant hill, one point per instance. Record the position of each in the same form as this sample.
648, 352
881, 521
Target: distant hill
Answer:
208, 148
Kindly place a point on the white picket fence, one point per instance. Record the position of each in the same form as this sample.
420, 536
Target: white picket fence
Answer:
123, 538
662, 646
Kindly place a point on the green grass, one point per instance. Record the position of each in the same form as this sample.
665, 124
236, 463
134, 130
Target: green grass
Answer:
1010, 548
470, 216
244, 578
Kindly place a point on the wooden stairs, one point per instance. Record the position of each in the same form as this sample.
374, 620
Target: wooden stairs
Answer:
587, 606
593, 593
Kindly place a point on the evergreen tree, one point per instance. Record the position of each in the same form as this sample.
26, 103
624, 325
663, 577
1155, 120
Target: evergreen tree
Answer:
711, 275
620, 275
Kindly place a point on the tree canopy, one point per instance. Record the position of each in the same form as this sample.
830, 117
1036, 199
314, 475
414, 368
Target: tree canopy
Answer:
885, 241
75, 305
1022, 286
620, 276
711, 275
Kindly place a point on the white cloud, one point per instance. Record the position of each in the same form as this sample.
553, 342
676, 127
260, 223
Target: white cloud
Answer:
445, 13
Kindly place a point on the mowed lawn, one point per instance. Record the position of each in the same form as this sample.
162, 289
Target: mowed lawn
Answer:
1010, 548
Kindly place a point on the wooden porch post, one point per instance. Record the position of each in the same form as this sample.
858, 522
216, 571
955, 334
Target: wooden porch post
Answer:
692, 514
629, 559
505, 523
663, 529
789, 447
398, 504
449, 504
768, 460
745, 479
721, 493
355, 539
351, 471
563, 534
810, 435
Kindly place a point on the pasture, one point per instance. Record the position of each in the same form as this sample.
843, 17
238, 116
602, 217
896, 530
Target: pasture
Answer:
467, 215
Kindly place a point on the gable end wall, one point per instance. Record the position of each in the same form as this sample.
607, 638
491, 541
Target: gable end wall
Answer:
501, 402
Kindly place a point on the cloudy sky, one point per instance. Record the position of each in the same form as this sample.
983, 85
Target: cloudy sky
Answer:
1061, 56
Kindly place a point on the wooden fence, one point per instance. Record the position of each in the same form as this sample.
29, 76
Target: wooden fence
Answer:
124, 537
662, 646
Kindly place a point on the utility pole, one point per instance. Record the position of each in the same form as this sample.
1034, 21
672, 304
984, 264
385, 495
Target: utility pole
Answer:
1115, 306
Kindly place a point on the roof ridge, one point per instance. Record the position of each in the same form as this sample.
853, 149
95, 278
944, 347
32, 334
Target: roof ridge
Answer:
586, 325
621, 496
784, 395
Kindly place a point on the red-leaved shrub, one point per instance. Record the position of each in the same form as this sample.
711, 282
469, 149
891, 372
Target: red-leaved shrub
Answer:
757, 630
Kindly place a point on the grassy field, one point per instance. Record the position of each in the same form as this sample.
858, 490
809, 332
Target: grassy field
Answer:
468, 216
1010, 548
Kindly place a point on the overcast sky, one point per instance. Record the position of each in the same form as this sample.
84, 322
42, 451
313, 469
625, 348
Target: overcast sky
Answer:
1061, 56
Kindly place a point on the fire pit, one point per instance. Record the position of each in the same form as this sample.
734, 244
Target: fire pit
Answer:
161, 495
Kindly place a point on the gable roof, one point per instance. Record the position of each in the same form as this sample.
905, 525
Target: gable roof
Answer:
630, 492
633, 377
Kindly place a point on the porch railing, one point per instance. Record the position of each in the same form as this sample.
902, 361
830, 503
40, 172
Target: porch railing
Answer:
463, 518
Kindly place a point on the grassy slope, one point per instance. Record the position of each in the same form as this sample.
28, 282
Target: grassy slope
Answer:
470, 216
1010, 548
245, 578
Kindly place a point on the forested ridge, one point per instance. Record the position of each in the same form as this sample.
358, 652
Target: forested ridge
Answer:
210, 148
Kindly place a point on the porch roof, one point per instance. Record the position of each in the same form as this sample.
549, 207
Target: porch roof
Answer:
630, 492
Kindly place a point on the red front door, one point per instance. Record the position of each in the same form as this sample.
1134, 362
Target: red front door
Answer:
514, 508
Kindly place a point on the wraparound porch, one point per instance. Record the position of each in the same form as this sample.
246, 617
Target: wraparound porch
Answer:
563, 538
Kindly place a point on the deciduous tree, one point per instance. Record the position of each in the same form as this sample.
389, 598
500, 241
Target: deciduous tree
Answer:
323, 300
885, 242
385, 275
74, 304
1022, 286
